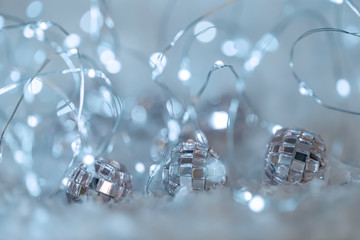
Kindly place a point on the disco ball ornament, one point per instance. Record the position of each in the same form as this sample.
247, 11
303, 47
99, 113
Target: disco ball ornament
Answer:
195, 166
295, 156
104, 180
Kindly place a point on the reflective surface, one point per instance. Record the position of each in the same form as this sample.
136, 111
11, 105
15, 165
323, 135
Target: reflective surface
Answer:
194, 166
295, 156
103, 178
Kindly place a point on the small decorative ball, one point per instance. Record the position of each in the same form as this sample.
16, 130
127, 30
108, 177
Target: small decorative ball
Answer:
294, 156
105, 179
195, 166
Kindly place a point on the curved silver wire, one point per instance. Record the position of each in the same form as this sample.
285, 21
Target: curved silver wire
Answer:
43, 65
240, 90
353, 7
174, 41
301, 82
75, 72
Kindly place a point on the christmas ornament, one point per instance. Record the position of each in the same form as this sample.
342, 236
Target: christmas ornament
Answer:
295, 156
195, 166
104, 179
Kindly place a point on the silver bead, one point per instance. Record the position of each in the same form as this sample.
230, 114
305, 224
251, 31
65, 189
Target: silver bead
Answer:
107, 180
295, 156
195, 166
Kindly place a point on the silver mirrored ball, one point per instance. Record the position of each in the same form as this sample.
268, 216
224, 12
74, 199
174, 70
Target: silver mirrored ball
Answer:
195, 166
295, 156
104, 180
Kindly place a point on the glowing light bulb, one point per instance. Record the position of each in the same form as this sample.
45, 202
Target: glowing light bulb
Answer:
88, 159
32, 184
65, 181
19, 156
139, 115
39, 56
35, 86
247, 196
75, 145
174, 130
34, 9
254, 61
157, 62
257, 204
343, 87
40, 34
15, 75
140, 167
91, 73
184, 74
219, 120
28, 32
269, 43
275, 128
72, 40
304, 90
174, 108
107, 56
32, 120
242, 196
229, 49
204, 35
157, 59
219, 64
92, 21
109, 22
337, 1
113, 66
216, 171
43, 25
